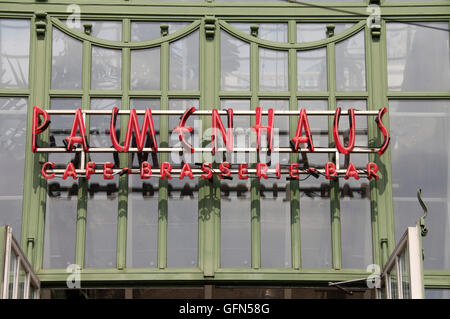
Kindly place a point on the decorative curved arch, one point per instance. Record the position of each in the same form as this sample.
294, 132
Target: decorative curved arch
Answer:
298, 46
119, 44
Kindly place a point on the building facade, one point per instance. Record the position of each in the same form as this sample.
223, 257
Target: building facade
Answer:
212, 238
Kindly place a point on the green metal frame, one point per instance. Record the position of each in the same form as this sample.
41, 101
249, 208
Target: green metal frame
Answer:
210, 17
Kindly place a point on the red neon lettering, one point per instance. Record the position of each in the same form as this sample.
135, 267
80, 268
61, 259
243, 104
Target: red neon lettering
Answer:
303, 124
261, 170
351, 172
36, 128
186, 171
90, 169
44, 170
258, 127
372, 170
70, 171
351, 142
78, 123
383, 130
330, 170
224, 168
165, 170
182, 128
242, 172
133, 124
206, 168
293, 171
146, 170
226, 136
107, 170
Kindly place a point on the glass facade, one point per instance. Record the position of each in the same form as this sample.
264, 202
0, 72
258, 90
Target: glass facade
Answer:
228, 229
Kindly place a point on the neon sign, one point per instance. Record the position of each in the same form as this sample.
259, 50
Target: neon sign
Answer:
77, 142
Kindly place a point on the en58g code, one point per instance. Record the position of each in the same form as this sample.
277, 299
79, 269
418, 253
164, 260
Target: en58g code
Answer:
247, 308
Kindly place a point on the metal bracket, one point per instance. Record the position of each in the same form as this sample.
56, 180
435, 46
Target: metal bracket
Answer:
424, 230
337, 285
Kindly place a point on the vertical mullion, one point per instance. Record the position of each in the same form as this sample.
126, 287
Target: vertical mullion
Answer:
294, 184
334, 184
208, 210
255, 183
80, 245
124, 157
163, 157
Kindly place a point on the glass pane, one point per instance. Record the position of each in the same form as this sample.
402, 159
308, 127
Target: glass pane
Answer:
66, 61
361, 137
393, 283
107, 30
106, 69
13, 113
308, 32
312, 70
142, 216
418, 56
315, 225
99, 133
61, 204
14, 53
437, 293
273, 70
12, 274
142, 31
145, 69
403, 262
22, 282
182, 224
235, 196
277, 32
423, 124
275, 203
356, 227
184, 63
351, 64
317, 124
101, 227
235, 63
192, 138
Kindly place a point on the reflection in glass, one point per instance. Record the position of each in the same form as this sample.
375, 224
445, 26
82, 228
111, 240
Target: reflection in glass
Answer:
308, 32
106, 69
66, 61
235, 228
142, 222
277, 32
142, 31
14, 53
13, 113
312, 70
192, 138
182, 223
101, 225
356, 227
317, 124
437, 293
235, 63
106, 30
420, 134
351, 64
12, 274
275, 220
22, 282
142, 216
184, 63
145, 69
273, 70
403, 263
393, 283
315, 225
418, 56
99, 130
